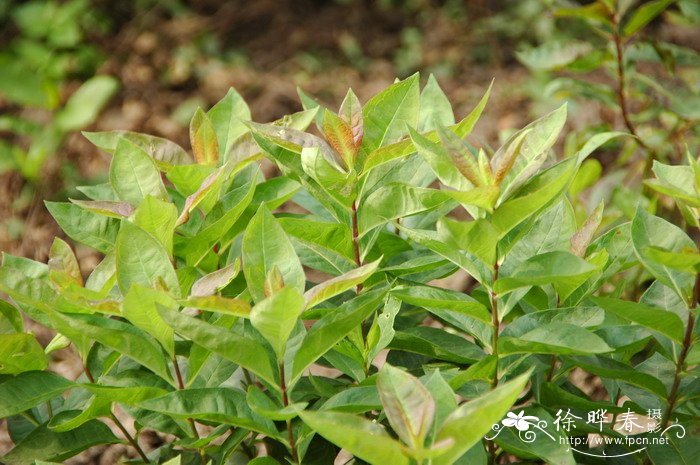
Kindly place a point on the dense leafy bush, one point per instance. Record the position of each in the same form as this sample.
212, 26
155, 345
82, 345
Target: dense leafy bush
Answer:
238, 333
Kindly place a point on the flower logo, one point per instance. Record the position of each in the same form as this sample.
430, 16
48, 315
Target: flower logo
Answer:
520, 421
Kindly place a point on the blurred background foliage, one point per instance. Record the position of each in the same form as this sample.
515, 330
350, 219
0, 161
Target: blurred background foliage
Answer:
146, 65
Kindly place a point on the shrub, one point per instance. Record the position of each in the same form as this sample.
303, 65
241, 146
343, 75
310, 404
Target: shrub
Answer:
237, 332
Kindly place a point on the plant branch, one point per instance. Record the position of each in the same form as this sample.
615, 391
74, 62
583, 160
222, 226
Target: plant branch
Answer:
622, 96
356, 242
181, 386
134, 443
680, 363
490, 445
285, 402
495, 323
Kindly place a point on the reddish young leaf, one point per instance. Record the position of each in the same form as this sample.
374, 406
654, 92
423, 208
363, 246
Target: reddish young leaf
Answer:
351, 113
203, 139
339, 136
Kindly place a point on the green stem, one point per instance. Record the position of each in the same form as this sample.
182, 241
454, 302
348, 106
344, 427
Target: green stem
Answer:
285, 402
552, 368
134, 443
181, 386
356, 242
495, 323
622, 96
680, 363
30, 417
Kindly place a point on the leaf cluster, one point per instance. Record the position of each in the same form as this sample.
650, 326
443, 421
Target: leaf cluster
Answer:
301, 317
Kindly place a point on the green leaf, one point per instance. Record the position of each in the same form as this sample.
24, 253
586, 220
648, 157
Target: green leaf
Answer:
381, 333
83, 107
203, 139
435, 108
397, 201
687, 261
477, 237
436, 344
21, 352
432, 241
134, 175
436, 298
96, 231
644, 15
218, 304
68, 420
554, 338
445, 398
676, 181
340, 284
227, 118
609, 368
563, 270
291, 141
530, 146
266, 246
63, 266
266, 407
354, 400
125, 338
405, 147
553, 54
655, 319
142, 260
29, 389
408, 405
333, 327
552, 449
539, 193
164, 152
596, 12
648, 230
140, 308
276, 316
219, 405
440, 162
11, 320
44, 444
461, 157
468, 424
387, 113
157, 218
336, 184
361, 437
241, 350
682, 448
220, 220
321, 245
263, 461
